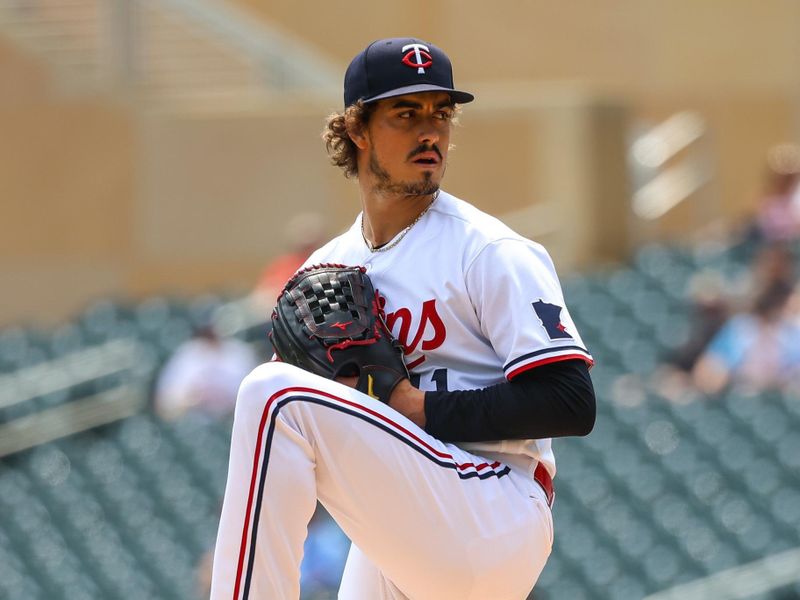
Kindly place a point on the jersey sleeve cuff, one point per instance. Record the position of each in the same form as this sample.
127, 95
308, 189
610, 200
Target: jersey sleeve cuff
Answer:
544, 357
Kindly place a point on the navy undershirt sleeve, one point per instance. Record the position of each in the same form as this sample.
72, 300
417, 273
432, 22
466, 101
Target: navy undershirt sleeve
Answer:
552, 400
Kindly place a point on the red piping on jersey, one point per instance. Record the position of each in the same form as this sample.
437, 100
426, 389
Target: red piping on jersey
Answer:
262, 424
253, 478
547, 361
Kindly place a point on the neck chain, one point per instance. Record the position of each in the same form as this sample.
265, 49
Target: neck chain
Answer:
402, 233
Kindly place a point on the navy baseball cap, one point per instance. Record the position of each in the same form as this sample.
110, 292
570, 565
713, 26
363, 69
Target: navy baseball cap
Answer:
397, 66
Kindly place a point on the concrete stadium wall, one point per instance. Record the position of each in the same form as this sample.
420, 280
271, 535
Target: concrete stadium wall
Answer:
734, 61
66, 189
99, 199
216, 191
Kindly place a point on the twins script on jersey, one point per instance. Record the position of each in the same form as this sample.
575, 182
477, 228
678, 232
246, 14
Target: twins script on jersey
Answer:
471, 301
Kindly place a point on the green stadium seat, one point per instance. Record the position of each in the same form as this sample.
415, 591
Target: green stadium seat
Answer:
595, 491
105, 320
623, 284
639, 354
67, 338
756, 536
672, 329
784, 507
552, 574
736, 452
172, 334
662, 564
19, 586
626, 587
743, 407
647, 483
791, 404
770, 424
153, 314
762, 478
13, 345
788, 452
570, 588
200, 310
660, 493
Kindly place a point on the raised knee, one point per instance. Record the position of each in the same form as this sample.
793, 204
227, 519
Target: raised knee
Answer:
266, 380
275, 370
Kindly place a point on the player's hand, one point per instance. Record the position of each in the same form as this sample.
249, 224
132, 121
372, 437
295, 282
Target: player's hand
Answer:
405, 399
409, 401
348, 381
328, 322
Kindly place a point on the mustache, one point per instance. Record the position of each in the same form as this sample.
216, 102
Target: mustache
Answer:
425, 148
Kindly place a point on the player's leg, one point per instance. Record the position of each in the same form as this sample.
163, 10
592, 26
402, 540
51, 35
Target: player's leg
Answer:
362, 580
498, 565
425, 530
239, 571
439, 522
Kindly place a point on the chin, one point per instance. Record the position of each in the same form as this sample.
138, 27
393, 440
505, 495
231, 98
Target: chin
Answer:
433, 176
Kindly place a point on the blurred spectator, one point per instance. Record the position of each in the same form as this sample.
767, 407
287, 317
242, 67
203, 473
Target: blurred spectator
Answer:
778, 211
773, 264
757, 350
305, 233
713, 299
709, 311
203, 375
324, 555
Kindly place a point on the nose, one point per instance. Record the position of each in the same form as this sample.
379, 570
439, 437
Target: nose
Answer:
428, 134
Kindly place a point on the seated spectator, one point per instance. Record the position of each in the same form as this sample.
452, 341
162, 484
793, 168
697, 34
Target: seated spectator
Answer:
778, 211
772, 264
710, 309
203, 376
757, 350
305, 233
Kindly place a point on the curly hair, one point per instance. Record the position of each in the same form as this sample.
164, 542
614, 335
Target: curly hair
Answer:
342, 150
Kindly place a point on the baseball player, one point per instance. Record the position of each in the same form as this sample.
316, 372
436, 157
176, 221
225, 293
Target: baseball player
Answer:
445, 486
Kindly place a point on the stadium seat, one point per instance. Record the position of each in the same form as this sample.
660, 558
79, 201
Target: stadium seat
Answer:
105, 320
67, 338
659, 494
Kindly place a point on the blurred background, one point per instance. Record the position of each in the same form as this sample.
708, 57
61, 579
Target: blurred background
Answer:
162, 174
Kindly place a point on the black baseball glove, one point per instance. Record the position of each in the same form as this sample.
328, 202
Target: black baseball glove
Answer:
328, 321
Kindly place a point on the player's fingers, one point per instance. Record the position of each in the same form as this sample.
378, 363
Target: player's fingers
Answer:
348, 381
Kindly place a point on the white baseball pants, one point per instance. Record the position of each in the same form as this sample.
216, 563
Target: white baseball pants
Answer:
428, 521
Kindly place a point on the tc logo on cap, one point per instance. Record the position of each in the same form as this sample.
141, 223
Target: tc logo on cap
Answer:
420, 53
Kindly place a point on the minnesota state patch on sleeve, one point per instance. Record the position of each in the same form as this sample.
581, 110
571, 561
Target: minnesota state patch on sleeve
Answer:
550, 316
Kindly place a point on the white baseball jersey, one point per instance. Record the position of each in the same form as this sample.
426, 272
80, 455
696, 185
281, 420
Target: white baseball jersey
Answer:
472, 302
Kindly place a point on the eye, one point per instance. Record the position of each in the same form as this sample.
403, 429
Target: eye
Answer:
406, 114
443, 115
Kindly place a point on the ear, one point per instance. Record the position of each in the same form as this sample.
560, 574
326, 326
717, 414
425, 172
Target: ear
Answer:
359, 136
